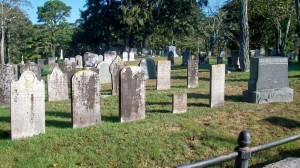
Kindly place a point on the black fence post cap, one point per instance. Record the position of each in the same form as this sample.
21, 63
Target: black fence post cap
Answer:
244, 139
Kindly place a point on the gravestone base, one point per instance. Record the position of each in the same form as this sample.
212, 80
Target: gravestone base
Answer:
269, 96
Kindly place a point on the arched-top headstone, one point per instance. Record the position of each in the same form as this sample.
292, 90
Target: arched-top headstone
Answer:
148, 65
109, 56
104, 73
27, 106
115, 68
8, 73
85, 99
132, 94
57, 85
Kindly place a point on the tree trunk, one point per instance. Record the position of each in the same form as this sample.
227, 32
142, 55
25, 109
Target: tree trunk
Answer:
283, 44
297, 3
244, 37
7, 41
2, 41
278, 37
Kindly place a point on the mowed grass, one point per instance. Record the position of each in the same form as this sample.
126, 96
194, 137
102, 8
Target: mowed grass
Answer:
163, 139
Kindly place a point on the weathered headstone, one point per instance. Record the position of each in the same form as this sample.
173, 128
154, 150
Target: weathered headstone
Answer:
72, 60
132, 94
252, 53
163, 81
90, 59
262, 51
85, 99
203, 59
268, 81
33, 68
192, 73
51, 60
148, 65
27, 111
78, 59
68, 69
131, 56
134, 51
110, 56
104, 73
40, 63
125, 56
217, 85
171, 58
173, 49
219, 60
185, 57
52, 66
179, 103
116, 66
57, 85
8, 73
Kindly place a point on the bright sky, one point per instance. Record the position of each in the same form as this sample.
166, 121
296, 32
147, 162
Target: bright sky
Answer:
78, 4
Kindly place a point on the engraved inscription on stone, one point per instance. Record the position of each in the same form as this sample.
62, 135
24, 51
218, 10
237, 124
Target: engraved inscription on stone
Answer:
163, 81
217, 85
27, 106
132, 94
148, 65
179, 103
192, 73
85, 99
104, 73
8, 73
57, 85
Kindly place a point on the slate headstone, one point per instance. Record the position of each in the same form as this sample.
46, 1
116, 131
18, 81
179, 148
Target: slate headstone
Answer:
104, 73
268, 81
132, 94
217, 85
148, 65
116, 66
85, 99
110, 56
163, 81
192, 73
8, 73
78, 59
57, 85
179, 103
27, 106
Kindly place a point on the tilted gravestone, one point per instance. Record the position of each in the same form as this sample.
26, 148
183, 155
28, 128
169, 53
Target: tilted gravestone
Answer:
68, 69
192, 73
78, 59
27, 106
104, 73
40, 63
217, 85
57, 85
110, 56
148, 65
116, 66
268, 81
125, 56
8, 73
33, 68
179, 103
163, 81
85, 99
132, 94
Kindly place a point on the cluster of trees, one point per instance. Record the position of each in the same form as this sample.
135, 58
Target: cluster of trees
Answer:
148, 24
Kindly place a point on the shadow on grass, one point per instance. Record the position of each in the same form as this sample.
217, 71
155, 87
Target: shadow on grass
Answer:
110, 119
158, 103
58, 124
237, 80
198, 104
178, 67
284, 122
179, 77
58, 114
234, 98
5, 119
197, 96
4, 134
295, 76
158, 111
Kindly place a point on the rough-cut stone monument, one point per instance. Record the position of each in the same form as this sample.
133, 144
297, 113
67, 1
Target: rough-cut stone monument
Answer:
27, 106
163, 81
148, 65
85, 99
8, 73
179, 103
217, 85
57, 85
116, 66
132, 94
109, 56
192, 73
268, 81
104, 73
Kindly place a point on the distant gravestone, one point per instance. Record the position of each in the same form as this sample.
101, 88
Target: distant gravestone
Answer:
51, 60
104, 73
185, 57
78, 60
110, 56
171, 58
262, 51
252, 53
268, 81
134, 51
68, 69
217, 85
57, 85
73, 60
132, 94
85, 99
173, 49
90, 59
179, 103
125, 56
131, 56
115, 68
52, 66
192, 73
148, 65
163, 75
40, 63
27, 106
8, 73
33, 68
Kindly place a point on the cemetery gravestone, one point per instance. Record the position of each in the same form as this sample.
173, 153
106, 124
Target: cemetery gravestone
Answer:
132, 94
125, 56
33, 68
115, 68
8, 73
185, 57
85, 99
163, 81
40, 63
78, 59
131, 56
171, 58
90, 59
57, 85
104, 73
68, 69
134, 51
179, 103
268, 81
52, 66
110, 56
51, 60
148, 65
217, 85
73, 60
173, 49
192, 73
27, 106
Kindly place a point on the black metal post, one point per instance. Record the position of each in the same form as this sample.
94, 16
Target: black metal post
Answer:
244, 151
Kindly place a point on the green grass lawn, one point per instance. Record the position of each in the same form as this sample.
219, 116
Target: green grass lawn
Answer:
163, 139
